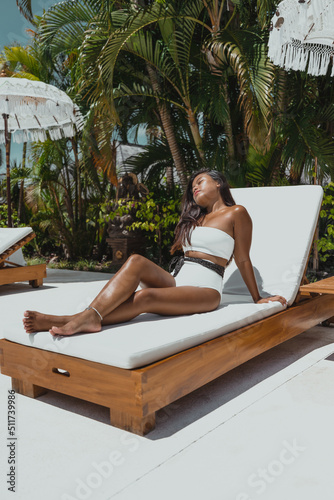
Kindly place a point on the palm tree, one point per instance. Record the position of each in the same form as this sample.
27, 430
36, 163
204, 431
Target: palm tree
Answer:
169, 39
62, 30
164, 46
66, 25
176, 70
199, 71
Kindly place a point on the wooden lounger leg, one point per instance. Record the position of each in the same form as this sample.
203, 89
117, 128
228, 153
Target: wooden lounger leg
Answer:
132, 423
36, 283
27, 389
328, 321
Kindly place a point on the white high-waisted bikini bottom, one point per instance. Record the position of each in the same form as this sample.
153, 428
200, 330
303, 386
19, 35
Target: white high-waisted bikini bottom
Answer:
193, 274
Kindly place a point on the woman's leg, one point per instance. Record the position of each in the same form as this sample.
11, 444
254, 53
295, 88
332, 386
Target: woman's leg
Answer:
136, 270
171, 301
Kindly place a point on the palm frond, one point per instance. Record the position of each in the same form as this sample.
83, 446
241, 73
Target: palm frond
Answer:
265, 11
64, 24
23, 61
305, 141
99, 138
245, 53
151, 163
114, 43
25, 8
260, 167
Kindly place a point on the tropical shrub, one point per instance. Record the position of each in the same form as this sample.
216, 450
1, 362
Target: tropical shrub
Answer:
326, 226
155, 218
4, 216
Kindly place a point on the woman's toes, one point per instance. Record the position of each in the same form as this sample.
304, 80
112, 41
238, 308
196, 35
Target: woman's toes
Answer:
55, 330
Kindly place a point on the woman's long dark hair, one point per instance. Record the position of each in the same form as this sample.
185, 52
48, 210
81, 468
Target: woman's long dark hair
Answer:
192, 213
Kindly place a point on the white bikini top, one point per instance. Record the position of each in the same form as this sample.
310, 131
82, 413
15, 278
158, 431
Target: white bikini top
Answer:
210, 240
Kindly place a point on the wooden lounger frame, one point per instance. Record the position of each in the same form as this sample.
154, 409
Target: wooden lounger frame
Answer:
15, 273
134, 396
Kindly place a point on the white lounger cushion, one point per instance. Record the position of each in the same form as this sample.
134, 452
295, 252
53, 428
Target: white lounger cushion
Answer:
9, 236
284, 220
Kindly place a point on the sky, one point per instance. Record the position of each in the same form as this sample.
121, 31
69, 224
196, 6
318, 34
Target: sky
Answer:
13, 25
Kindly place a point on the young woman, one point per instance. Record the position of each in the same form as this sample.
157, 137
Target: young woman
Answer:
211, 230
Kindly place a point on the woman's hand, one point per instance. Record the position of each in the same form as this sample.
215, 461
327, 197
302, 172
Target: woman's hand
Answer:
273, 298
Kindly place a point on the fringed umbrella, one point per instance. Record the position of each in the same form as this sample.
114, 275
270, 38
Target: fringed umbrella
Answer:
32, 111
302, 36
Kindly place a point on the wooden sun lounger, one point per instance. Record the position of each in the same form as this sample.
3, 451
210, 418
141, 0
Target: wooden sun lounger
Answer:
134, 396
13, 273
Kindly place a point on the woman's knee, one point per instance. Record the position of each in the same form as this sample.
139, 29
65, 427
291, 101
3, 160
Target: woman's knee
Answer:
136, 260
145, 298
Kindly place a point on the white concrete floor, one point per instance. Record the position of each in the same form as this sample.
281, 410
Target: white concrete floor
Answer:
261, 431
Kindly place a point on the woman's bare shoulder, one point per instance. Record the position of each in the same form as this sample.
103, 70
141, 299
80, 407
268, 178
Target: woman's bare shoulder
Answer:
239, 211
240, 217
238, 208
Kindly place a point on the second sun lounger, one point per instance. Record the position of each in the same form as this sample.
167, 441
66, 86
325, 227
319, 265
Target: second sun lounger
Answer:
13, 270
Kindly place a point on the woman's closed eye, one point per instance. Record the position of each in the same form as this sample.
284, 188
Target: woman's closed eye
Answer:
197, 184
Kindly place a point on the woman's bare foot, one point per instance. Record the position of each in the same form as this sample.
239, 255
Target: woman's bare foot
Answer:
34, 321
85, 322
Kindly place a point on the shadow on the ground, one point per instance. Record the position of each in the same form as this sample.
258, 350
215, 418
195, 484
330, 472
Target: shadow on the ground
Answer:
16, 288
68, 276
54, 276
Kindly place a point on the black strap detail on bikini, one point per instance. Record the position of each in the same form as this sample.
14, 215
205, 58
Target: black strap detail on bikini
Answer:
177, 262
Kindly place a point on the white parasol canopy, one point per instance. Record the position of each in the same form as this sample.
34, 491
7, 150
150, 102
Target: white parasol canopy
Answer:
30, 111
34, 107
302, 36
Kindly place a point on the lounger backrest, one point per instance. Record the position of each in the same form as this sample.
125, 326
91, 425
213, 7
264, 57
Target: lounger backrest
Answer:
284, 222
10, 236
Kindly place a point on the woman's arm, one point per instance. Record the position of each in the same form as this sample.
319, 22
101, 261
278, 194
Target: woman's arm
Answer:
243, 238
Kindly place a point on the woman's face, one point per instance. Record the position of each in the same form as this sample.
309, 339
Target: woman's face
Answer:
205, 190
